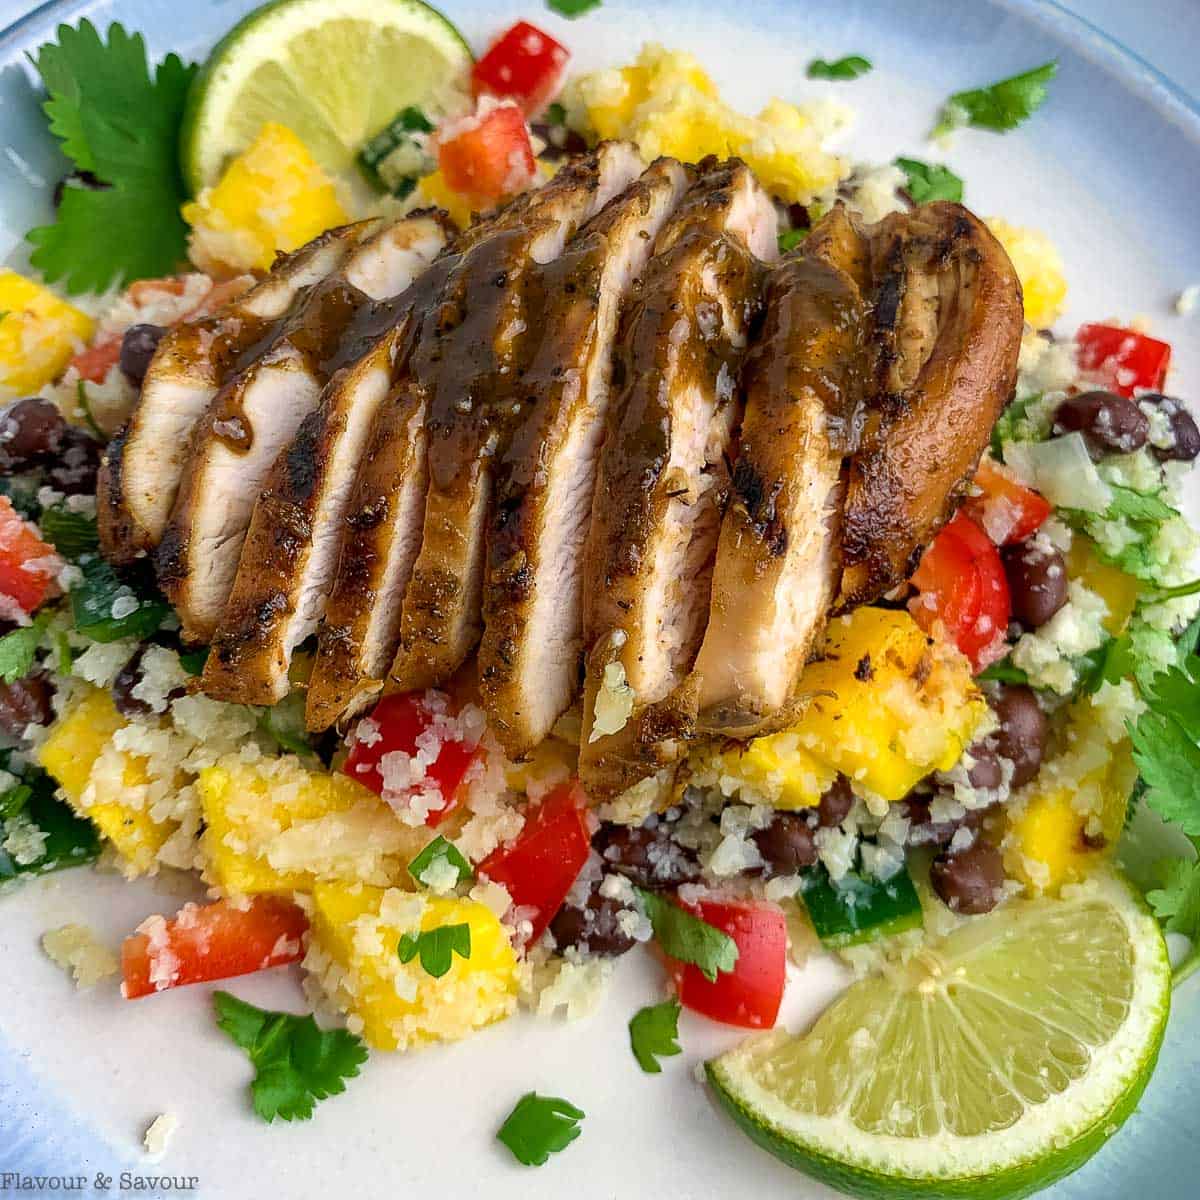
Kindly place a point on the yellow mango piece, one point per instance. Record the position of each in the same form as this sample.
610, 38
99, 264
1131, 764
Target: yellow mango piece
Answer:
436, 191
69, 754
355, 935
1039, 268
778, 769
39, 334
277, 826
1117, 589
272, 197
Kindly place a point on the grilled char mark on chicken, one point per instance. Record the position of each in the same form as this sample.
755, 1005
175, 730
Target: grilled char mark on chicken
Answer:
943, 352
143, 464
529, 659
663, 473
469, 363
290, 553
777, 565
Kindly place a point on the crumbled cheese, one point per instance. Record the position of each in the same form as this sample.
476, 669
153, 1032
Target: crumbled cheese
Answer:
101, 662
158, 1136
76, 949
23, 840
1046, 654
875, 191
1187, 300
614, 703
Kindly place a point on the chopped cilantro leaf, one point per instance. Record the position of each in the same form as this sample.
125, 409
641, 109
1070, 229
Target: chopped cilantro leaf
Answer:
538, 1127
684, 936
850, 67
192, 661
295, 1063
440, 851
654, 1031
555, 114
100, 605
789, 239
18, 649
1176, 903
930, 181
285, 723
67, 839
72, 534
121, 123
1003, 672
1167, 756
436, 947
572, 8
1000, 106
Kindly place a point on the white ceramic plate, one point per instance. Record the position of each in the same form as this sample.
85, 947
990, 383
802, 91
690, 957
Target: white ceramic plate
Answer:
1109, 169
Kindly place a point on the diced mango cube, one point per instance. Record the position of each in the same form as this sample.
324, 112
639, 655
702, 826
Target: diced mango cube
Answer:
356, 933
277, 826
779, 770
1039, 268
70, 753
1118, 590
434, 190
39, 334
272, 197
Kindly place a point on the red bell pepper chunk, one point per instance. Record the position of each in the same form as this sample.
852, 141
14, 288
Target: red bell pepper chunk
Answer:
539, 866
1007, 511
963, 587
523, 64
28, 566
487, 156
1122, 360
213, 941
750, 994
394, 726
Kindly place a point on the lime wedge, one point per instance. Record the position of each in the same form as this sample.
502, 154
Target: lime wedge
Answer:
989, 1063
335, 72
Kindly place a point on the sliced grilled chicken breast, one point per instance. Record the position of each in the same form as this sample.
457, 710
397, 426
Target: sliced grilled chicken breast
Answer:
470, 363
290, 553
233, 445
142, 466
530, 656
946, 333
777, 566
663, 478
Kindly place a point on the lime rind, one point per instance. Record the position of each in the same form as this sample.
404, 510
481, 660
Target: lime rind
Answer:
1048, 1141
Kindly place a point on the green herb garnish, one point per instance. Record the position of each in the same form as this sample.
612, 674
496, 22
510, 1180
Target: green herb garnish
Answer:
100, 604
572, 8
284, 722
71, 533
540, 1126
930, 181
436, 947
440, 850
120, 123
685, 937
192, 661
295, 1063
999, 106
18, 649
789, 239
850, 67
654, 1034
68, 840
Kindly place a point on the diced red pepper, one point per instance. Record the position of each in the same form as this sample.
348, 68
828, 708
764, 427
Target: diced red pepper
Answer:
28, 566
394, 726
1007, 511
213, 941
1122, 360
523, 64
488, 156
539, 866
94, 363
750, 994
963, 587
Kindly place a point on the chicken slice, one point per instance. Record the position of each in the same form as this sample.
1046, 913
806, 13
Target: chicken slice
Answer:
663, 477
946, 334
530, 655
290, 552
251, 419
470, 363
385, 525
143, 464
777, 565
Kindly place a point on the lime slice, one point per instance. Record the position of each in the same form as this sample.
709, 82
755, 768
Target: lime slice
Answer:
990, 1063
335, 72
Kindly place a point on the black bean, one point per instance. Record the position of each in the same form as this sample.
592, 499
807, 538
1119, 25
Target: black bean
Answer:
969, 882
137, 349
30, 431
836, 803
646, 854
1109, 423
25, 702
1037, 582
129, 676
925, 831
74, 470
1021, 737
1185, 436
787, 845
986, 773
595, 928
560, 141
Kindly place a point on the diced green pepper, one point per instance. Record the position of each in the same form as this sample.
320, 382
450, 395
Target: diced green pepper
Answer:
394, 160
93, 600
71, 841
859, 909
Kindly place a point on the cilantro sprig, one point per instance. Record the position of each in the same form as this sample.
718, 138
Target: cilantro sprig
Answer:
295, 1063
18, 649
930, 181
119, 121
436, 947
999, 106
852, 66
654, 1034
685, 937
538, 1127
572, 8
440, 855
